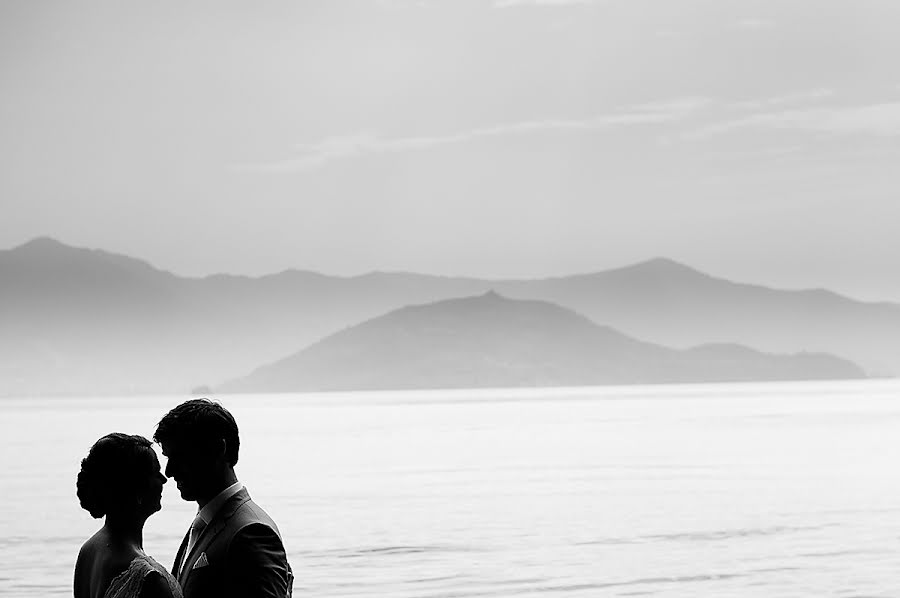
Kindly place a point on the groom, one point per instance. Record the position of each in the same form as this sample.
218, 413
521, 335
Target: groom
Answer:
233, 548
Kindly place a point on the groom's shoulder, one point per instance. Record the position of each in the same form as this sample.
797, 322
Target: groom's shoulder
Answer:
249, 512
252, 527
253, 513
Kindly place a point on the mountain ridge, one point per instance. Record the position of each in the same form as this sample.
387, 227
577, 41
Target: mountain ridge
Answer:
131, 327
491, 341
650, 265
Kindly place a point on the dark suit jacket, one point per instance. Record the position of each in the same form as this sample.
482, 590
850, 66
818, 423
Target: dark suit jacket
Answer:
239, 554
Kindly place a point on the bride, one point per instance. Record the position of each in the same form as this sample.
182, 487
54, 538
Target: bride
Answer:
121, 480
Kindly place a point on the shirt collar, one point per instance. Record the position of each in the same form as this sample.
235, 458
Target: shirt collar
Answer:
212, 507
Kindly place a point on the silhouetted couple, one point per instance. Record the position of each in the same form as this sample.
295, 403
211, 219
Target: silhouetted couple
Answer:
232, 549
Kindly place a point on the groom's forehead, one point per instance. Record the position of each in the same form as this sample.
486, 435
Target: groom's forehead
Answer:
172, 447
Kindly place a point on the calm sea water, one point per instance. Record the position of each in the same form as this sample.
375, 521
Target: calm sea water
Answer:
732, 490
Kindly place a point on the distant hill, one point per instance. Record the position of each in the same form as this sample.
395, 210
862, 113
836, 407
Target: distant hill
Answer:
78, 321
492, 341
672, 304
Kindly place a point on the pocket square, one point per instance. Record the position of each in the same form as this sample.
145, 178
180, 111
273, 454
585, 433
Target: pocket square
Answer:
201, 562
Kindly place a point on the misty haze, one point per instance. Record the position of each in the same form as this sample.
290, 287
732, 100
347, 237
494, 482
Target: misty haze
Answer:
84, 321
570, 297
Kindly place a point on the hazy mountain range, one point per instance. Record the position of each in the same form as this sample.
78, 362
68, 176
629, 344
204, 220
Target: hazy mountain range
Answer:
492, 341
88, 321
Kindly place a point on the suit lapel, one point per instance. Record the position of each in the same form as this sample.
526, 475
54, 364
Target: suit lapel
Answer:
220, 519
179, 556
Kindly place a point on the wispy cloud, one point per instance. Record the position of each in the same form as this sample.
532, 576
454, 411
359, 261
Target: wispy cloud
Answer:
314, 155
511, 3
800, 97
676, 108
875, 119
752, 23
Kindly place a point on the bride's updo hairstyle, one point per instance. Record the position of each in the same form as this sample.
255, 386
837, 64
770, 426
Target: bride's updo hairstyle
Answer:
114, 472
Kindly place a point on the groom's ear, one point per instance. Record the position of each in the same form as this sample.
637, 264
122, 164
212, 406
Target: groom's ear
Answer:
213, 450
222, 449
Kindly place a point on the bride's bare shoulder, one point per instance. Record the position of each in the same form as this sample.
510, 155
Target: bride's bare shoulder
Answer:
98, 562
86, 566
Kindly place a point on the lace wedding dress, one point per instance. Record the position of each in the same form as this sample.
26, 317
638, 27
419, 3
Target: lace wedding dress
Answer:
128, 583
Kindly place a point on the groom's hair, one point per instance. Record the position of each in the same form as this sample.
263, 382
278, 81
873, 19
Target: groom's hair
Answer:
201, 424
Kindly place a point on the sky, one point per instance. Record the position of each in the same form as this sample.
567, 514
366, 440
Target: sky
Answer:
755, 140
